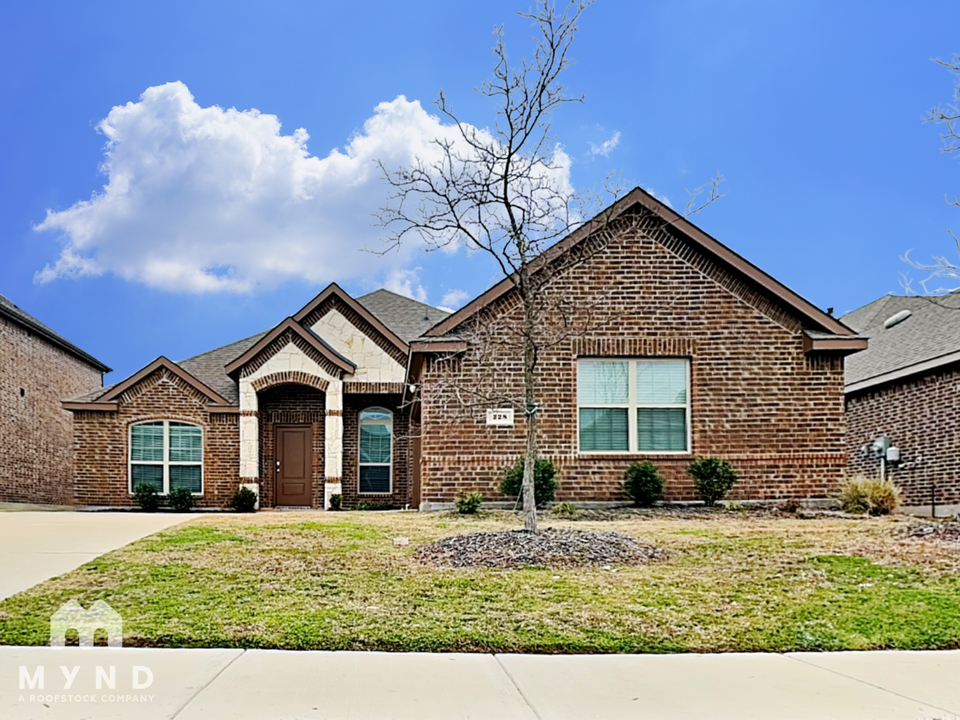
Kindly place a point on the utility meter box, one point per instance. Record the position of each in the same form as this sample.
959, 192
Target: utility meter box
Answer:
893, 455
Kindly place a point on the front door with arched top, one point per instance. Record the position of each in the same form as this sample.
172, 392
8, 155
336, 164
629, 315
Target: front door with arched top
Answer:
293, 467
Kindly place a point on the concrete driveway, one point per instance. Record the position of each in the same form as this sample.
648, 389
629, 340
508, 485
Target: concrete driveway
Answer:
36, 546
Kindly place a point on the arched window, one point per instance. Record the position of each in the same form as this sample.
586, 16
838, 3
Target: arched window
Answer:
166, 454
376, 451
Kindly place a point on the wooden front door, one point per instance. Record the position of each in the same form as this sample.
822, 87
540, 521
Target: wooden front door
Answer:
293, 455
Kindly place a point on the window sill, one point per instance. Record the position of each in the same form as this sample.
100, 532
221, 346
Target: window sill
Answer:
685, 455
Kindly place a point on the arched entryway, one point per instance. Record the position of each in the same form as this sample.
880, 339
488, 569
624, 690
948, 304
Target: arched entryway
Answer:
292, 418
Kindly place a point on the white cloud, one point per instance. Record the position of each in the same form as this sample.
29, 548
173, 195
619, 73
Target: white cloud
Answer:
453, 299
406, 283
606, 147
206, 199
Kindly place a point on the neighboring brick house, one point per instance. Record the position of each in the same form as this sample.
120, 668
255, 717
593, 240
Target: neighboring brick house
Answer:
906, 388
38, 368
692, 351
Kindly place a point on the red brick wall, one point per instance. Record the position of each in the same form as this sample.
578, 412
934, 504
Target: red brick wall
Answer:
352, 406
290, 405
36, 436
757, 400
921, 416
101, 442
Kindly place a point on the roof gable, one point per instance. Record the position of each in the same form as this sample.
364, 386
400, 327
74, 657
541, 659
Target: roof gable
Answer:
109, 398
640, 199
291, 325
334, 292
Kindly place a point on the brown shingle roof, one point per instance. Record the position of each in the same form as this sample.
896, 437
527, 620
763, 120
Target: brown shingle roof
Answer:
408, 318
208, 367
12, 312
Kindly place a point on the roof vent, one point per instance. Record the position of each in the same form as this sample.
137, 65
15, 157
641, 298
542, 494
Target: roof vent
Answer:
896, 319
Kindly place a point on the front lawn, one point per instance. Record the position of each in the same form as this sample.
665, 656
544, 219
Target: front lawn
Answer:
729, 582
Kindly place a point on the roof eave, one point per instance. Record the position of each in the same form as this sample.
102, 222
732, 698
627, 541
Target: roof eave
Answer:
55, 339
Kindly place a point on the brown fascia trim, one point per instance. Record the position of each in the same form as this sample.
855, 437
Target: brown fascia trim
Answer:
291, 323
839, 344
420, 348
95, 406
54, 339
334, 290
225, 409
711, 246
169, 365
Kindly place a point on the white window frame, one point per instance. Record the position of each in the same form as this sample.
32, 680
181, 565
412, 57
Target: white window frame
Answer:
166, 462
393, 442
633, 407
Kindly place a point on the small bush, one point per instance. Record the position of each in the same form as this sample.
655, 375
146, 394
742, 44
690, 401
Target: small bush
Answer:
181, 500
376, 506
643, 483
244, 500
564, 509
712, 479
469, 504
790, 505
544, 481
336, 502
146, 497
869, 495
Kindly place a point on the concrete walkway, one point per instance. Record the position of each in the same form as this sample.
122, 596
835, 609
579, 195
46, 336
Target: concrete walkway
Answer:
276, 685
36, 546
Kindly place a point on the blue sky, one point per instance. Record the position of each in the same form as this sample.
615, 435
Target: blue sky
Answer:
811, 110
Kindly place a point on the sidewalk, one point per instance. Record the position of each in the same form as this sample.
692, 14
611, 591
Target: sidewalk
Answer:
276, 685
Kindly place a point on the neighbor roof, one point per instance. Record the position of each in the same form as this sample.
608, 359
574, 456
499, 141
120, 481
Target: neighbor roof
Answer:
928, 338
15, 314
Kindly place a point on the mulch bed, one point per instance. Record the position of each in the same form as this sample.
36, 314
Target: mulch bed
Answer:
551, 547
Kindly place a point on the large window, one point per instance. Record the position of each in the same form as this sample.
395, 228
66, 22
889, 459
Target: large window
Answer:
166, 454
376, 451
634, 406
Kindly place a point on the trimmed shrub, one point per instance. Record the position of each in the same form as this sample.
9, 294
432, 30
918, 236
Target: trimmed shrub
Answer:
869, 495
336, 502
376, 506
147, 497
544, 481
469, 504
564, 509
712, 478
244, 500
181, 499
643, 483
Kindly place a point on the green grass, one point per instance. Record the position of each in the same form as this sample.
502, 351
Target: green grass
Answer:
730, 582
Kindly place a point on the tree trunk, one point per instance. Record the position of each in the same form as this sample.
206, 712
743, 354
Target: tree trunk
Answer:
530, 398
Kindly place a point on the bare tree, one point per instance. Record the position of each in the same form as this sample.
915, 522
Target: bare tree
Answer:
941, 268
504, 192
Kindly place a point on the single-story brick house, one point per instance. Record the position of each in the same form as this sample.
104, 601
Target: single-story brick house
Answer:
906, 388
691, 351
38, 368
